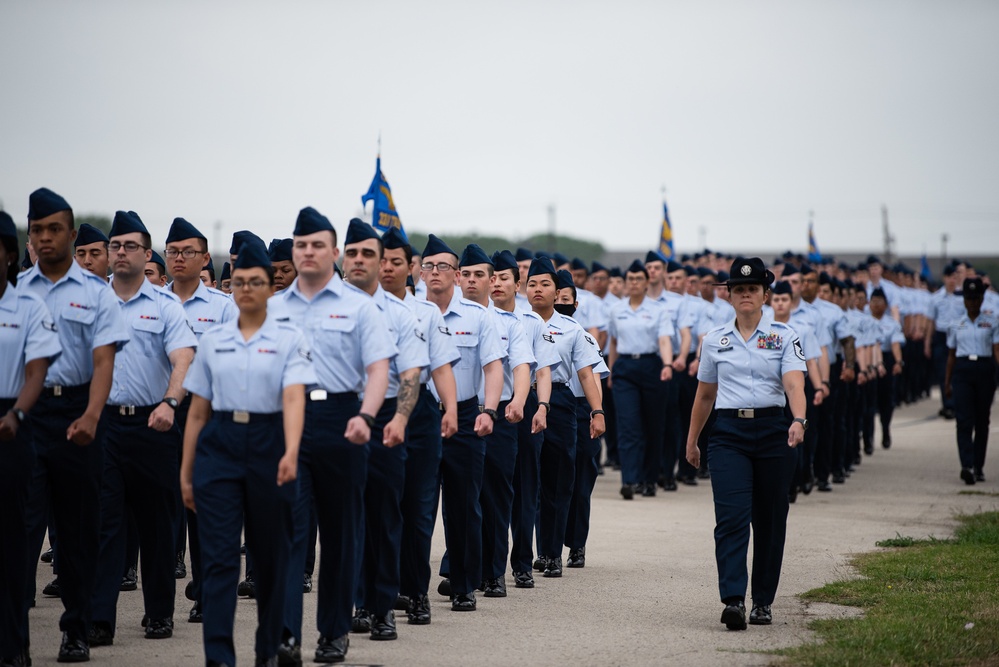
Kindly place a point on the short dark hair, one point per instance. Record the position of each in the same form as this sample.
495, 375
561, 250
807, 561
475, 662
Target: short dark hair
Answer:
11, 246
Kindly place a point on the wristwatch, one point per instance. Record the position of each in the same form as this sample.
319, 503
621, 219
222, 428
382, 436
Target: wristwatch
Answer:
172, 402
548, 406
594, 413
802, 421
492, 414
368, 419
19, 415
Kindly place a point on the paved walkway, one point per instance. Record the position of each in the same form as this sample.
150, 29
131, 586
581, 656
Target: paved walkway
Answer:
648, 594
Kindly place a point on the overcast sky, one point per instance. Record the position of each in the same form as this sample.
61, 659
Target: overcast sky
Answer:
751, 115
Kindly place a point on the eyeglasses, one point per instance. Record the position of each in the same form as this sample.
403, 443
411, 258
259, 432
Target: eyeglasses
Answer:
129, 246
442, 267
256, 283
188, 253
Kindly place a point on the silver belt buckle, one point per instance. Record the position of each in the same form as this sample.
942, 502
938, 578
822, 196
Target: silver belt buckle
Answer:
57, 390
241, 416
973, 357
318, 395
126, 410
746, 413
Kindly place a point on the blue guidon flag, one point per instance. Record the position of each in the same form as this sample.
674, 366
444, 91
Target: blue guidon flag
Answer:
814, 255
383, 215
666, 235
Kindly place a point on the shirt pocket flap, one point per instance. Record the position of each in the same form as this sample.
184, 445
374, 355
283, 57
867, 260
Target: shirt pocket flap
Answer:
148, 325
79, 315
466, 341
342, 324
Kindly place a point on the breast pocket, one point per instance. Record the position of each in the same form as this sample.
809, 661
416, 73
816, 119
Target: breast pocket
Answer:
337, 332
147, 337
77, 323
468, 347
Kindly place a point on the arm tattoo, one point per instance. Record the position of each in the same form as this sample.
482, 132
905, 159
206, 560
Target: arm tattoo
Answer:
849, 352
406, 398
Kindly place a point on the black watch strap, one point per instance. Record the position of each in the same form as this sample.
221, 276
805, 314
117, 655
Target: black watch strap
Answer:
368, 419
19, 414
492, 414
548, 406
594, 413
172, 402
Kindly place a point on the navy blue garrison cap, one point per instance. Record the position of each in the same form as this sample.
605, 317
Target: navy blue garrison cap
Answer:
311, 221
578, 265
181, 230
357, 231
873, 259
43, 202
158, 259
473, 255
806, 269
878, 292
615, 272
789, 270
690, 270
88, 234
638, 267
723, 276
541, 253
564, 279
252, 254
541, 266
653, 256
435, 247
524, 255
673, 265
7, 227
392, 239
782, 287
973, 288
226, 272
597, 266
705, 272
503, 260
558, 259
210, 266
280, 250
126, 222
241, 237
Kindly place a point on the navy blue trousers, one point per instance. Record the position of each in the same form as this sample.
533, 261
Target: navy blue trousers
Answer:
641, 417
235, 484
332, 473
497, 494
610, 412
526, 489
940, 352
974, 387
141, 475
558, 471
67, 478
751, 468
421, 494
687, 390
187, 521
378, 583
17, 457
827, 426
672, 447
587, 463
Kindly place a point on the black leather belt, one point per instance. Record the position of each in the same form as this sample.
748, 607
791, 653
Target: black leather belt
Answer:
323, 395
647, 355
243, 417
976, 357
750, 413
130, 410
61, 391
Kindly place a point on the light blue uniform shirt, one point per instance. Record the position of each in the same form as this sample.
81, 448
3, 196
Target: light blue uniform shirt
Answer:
893, 293
945, 309
865, 328
976, 338
475, 335
990, 305
693, 305
836, 324
433, 333
809, 342
750, 374
207, 308
27, 333
86, 317
638, 330
236, 374
344, 329
403, 327
518, 350
545, 353
681, 316
590, 311
807, 312
576, 348
715, 314
576, 387
889, 331
158, 326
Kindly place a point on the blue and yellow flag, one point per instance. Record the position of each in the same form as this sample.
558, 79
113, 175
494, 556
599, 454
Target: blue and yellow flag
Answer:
666, 235
814, 255
924, 268
383, 215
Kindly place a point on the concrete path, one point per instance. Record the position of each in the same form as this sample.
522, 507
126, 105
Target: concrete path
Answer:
648, 594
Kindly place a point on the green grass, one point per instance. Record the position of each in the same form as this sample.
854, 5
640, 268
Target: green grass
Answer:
918, 602
978, 493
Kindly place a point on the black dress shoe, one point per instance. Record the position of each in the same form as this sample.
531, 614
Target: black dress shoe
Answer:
539, 564
266, 662
703, 474
52, 589
307, 583
129, 581
247, 588
332, 650
100, 634
463, 602
216, 663
886, 442
145, 620
808, 485
979, 476
869, 449
361, 623
689, 480
419, 610
401, 602
734, 616
180, 569
839, 479
289, 653
47, 556
824, 486
14, 661
73, 649
627, 492
495, 588
553, 568
761, 615
577, 557
383, 627
669, 485
523, 580
195, 616
159, 628
189, 591
444, 588
966, 475
649, 491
